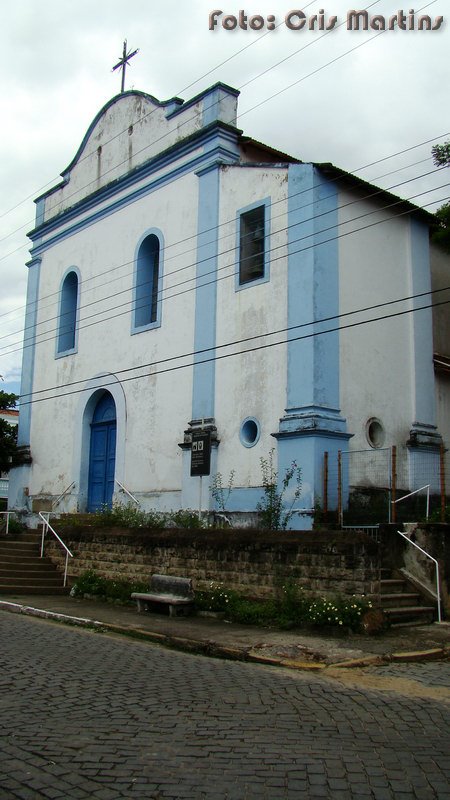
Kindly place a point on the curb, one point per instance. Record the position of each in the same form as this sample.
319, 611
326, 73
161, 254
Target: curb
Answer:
212, 648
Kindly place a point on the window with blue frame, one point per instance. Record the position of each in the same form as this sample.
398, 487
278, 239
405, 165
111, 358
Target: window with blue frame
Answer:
252, 245
146, 297
68, 312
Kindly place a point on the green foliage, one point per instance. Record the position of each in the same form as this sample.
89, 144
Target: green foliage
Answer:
184, 518
221, 495
271, 507
15, 526
128, 516
441, 234
441, 154
292, 607
118, 591
435, 515
8, 433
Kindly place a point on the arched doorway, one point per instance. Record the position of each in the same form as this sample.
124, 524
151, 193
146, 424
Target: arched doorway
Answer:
102, 456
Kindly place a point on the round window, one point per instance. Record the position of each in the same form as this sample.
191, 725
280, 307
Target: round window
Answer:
375, 432
250, 432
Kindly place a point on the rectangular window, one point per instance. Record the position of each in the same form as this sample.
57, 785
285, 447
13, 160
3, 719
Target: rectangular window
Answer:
252, 245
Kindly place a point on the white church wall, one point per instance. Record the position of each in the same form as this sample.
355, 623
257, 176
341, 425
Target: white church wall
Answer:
253, 384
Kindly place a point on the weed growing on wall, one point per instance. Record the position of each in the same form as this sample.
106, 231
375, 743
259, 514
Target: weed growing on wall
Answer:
220, 494
271, 508
130, 516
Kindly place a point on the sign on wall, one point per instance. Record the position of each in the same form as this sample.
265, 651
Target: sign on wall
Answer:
200, 453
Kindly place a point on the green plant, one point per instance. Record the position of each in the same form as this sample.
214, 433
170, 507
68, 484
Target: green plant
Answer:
129, 516
185, 518
219, 493
272, 505
14, 526
112, 589
291, 607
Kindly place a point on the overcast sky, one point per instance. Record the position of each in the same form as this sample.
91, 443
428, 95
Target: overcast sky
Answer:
391, 93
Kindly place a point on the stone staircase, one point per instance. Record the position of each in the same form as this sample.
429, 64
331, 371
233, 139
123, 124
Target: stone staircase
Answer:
23, 571
402, 603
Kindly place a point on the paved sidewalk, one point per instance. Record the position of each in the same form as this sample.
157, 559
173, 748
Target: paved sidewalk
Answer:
297, 649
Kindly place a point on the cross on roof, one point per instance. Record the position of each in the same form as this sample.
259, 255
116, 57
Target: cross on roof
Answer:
122, 63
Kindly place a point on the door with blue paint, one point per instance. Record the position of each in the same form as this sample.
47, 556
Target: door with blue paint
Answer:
102, 459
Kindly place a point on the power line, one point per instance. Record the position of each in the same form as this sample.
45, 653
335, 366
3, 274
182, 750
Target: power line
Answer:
232, 221
125, 161
233, 274
257, 348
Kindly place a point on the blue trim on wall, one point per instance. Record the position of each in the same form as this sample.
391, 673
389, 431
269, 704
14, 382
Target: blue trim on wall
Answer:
157, 323
218, 139
313, 423
422, 326
71, 350
313, 289
29, 352
266, 202
206, 293
204, 159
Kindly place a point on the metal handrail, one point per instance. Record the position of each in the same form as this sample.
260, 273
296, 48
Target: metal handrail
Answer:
7, 514
416, 491
438, 592
66, 491
47, 527
127, 492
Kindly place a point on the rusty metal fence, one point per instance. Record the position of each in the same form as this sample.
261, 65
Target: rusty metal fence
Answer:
392, 484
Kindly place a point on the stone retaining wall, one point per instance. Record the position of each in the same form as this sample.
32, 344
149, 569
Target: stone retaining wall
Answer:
251, 562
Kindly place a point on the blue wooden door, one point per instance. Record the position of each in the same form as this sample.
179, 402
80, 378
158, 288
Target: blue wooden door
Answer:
102, 459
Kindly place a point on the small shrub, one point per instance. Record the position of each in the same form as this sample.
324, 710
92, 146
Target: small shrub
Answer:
270, 508
114, 590
185, 518
129, 516
218, 492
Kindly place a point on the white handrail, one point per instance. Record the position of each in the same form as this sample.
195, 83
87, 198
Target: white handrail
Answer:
47, 527
7, 514
124, 489
416, 491
66, 491
438, 592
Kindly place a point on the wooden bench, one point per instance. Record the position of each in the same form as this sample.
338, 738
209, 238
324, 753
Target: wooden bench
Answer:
177, 593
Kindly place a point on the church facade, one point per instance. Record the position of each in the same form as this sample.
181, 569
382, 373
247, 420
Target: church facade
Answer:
185, 278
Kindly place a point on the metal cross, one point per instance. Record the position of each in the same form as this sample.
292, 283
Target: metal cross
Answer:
122, 63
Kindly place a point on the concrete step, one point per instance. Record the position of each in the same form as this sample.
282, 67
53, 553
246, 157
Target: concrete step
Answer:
25, 589
393, 586
28, 570
32, 579
400, 599
419, 615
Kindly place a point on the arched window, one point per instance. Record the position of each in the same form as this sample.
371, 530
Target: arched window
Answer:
67, 322
146, 294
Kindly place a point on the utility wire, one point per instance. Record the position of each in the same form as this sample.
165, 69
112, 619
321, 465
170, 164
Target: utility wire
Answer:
190, 119
221, 225
254, 349
216, 280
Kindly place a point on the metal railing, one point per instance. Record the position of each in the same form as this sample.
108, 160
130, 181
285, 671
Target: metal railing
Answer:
371, 530
47, 527
416, 491
438, 591
124, 489
66, 491
6, 514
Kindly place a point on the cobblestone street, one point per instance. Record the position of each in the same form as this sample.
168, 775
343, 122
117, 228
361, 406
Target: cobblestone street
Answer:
90, 716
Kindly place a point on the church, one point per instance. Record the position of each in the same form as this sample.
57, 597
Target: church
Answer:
186, 278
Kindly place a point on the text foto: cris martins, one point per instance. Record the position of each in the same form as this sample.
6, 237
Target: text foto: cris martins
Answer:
297, 20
